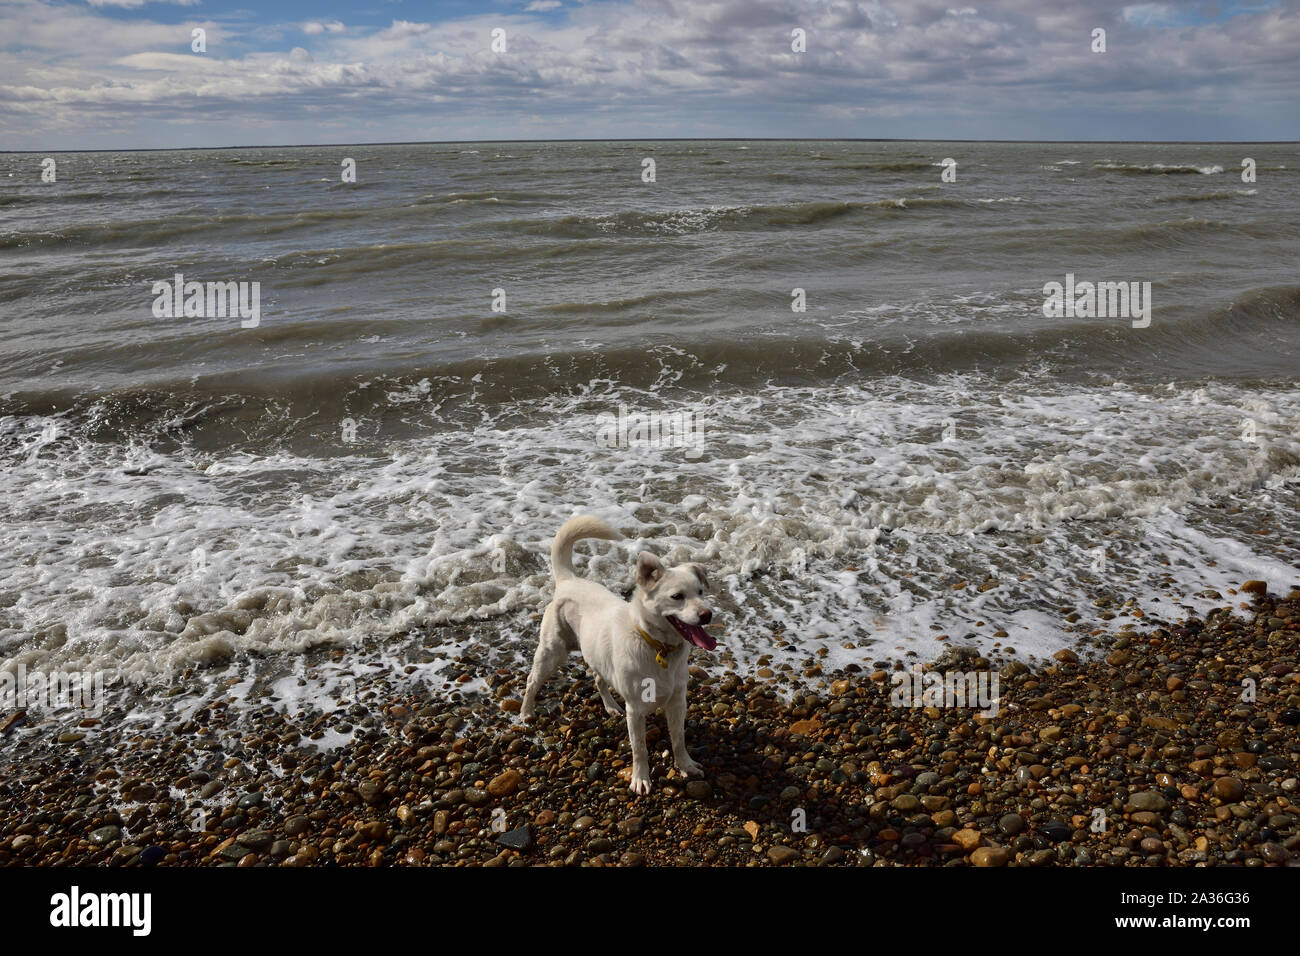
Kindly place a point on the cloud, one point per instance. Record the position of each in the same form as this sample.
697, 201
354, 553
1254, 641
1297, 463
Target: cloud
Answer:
132, 4
540, 6
315, 28
1012, 68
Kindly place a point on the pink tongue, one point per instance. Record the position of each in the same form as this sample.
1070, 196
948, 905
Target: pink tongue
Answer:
695, 634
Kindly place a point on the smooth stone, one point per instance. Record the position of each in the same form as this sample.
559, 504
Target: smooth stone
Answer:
105, 834
1149, 800
1056, 831
1229, 789
781, 855
152, 855
520, 838
1273, 852
504, 784
256, 839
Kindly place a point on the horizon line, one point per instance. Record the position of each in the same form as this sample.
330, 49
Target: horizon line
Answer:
678, 139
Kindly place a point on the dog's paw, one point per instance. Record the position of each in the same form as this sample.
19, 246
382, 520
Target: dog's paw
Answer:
639, 785
615, 711
689, 768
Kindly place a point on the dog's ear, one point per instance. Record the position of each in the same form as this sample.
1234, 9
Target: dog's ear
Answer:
649, 569
698, 571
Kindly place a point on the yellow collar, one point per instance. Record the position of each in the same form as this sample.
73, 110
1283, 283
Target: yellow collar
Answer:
661, 649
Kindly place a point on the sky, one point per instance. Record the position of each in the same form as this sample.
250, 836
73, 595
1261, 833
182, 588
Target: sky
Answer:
115, 74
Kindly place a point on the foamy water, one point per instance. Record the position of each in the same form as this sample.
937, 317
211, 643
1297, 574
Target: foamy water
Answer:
920, 458
880, 515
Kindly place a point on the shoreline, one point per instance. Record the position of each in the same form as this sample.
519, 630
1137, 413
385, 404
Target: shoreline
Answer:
1146, 756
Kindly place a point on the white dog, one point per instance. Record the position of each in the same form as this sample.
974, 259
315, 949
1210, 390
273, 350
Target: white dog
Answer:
639, 648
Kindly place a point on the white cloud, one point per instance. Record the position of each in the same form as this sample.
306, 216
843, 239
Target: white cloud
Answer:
540, 6
648, 67
315, 28
406, 28
132, 4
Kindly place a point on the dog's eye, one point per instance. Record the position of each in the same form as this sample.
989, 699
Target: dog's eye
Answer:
678, 596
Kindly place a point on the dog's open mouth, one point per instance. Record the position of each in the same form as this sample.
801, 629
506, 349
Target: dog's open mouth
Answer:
693, 633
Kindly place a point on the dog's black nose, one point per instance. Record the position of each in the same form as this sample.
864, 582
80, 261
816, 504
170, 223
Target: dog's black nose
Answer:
706, 616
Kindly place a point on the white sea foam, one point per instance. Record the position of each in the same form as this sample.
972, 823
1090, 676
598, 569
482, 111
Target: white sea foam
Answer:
881, 515
1208, 170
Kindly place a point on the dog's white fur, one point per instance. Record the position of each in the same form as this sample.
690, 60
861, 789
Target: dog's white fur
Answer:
585, 616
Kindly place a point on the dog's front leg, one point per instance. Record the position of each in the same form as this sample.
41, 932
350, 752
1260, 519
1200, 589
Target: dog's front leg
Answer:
640, 757
675, 710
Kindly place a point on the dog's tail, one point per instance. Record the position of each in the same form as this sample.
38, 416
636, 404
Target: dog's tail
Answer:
571, 532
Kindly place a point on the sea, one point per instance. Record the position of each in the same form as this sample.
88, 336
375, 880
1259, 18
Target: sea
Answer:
830, 371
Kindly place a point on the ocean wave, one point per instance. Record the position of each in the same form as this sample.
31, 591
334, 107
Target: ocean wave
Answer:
266, 163
1205, 197
838, 511
698, 219
889, 166
1168, 234
249, 409
157, 229
1160, 169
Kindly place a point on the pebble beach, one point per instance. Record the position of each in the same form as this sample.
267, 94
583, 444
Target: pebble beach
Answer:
1165, 743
